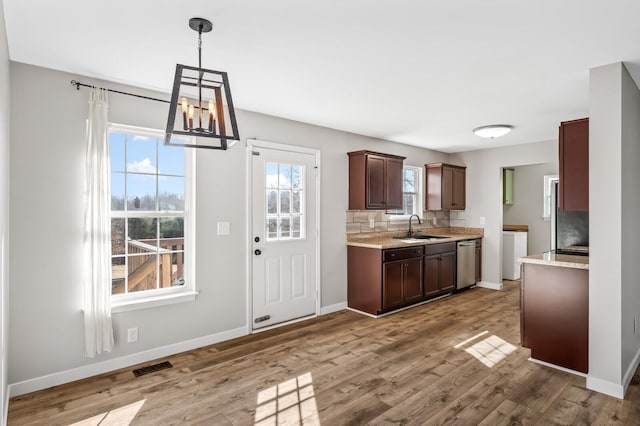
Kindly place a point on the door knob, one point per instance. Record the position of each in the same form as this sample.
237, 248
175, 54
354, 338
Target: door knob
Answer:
257, 252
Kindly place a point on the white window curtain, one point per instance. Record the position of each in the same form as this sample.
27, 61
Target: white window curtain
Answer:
97, 230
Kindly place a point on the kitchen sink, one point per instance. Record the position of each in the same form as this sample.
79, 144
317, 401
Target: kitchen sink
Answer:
421, 238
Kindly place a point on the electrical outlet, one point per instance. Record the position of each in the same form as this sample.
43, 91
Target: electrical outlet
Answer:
482, 220
132, 335
372, 223
435, 221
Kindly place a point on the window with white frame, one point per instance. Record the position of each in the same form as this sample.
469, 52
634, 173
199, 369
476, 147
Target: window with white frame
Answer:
549, 181
151, 215
411, 193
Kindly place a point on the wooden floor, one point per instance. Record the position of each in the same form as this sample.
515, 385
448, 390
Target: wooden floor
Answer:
452, 361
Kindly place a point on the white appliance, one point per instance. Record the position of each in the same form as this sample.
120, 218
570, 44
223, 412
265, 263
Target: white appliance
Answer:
514, 246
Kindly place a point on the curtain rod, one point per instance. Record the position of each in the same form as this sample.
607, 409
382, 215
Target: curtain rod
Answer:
78, 84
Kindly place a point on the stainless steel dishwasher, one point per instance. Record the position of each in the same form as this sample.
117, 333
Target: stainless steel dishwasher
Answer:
466, 264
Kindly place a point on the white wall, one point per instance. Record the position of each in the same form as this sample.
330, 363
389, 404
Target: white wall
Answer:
528, 205
630, 226
4, 214
46, 206
484, 194
614, 205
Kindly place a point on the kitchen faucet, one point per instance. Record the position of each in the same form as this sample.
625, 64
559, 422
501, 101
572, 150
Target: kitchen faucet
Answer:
411, 217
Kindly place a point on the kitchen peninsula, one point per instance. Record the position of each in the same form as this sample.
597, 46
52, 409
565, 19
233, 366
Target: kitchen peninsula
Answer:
554, 309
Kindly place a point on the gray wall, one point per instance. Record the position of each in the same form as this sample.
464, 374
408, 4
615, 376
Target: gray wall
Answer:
4, 212
528, 184
614, 205
46, 334
484, 194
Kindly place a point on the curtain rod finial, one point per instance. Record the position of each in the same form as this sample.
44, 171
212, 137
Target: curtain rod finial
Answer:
75, 83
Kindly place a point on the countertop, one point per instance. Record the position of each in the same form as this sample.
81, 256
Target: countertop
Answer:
550, 258
386, 240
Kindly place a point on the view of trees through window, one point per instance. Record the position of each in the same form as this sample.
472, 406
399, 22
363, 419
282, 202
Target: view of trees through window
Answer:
147, 212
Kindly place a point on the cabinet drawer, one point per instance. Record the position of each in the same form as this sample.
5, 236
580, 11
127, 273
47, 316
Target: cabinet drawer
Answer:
404, 253
439, 248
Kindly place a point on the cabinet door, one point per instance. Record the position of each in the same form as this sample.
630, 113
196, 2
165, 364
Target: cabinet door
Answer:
375, 182
413, 280
478, 262
459, 189
448, 271
447, 188
394, 184
431, 275
574, 165
392, 295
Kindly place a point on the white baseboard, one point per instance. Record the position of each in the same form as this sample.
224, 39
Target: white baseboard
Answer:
5, 414
90, 370
324, 310
604, 386
557, 367
631, 370
491, 286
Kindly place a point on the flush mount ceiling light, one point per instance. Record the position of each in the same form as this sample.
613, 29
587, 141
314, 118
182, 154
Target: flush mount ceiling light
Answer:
493, 130
201, 95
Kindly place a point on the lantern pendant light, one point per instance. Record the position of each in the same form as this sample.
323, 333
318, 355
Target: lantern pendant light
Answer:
201, 95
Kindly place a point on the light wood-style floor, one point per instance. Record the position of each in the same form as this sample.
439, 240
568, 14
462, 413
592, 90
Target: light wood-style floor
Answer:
453, 361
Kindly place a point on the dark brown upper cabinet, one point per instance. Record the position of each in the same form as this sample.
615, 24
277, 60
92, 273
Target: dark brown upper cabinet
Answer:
375, 181
446, 187
574, 165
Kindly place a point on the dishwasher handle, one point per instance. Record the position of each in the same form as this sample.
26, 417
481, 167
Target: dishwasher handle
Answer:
467, 243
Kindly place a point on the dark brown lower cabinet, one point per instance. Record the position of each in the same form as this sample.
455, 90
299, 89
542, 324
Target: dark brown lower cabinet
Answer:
383, 280
439, 269
554, 310
478, 260
401, 283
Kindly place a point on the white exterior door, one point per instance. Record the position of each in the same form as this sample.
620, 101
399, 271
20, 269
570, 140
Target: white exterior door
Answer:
284, 234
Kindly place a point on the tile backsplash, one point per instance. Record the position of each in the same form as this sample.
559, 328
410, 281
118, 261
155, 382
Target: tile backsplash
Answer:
359, 221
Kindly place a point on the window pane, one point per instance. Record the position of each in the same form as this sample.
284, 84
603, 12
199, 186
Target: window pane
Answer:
272, 228
117, 191
142, 235
143, 273
170, 193
118, 275
116, 151
295, 204
409, 180
295, 227
296, 177
170, 159
285, 176
285, 202
272, 201
141, 192
285, 227
177, 269
141, 154
271, 178
172, 227
117, 236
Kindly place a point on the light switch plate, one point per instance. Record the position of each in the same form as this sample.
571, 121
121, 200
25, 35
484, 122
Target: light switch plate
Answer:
482, 220
224, 228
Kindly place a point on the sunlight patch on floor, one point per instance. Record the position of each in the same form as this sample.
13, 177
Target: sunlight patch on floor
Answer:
119, 416
291, 402
489, 351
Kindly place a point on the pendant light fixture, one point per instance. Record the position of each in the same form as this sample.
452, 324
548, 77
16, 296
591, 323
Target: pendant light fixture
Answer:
492, 131
201, 95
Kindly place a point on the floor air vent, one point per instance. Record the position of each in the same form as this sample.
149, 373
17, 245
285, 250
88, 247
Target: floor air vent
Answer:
151, 368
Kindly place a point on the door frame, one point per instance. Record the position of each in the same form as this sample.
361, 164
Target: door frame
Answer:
256, 143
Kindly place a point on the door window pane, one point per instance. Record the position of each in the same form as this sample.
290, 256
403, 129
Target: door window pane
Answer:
285, 200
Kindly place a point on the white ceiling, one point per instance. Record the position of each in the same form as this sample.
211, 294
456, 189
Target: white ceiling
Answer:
421, 72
